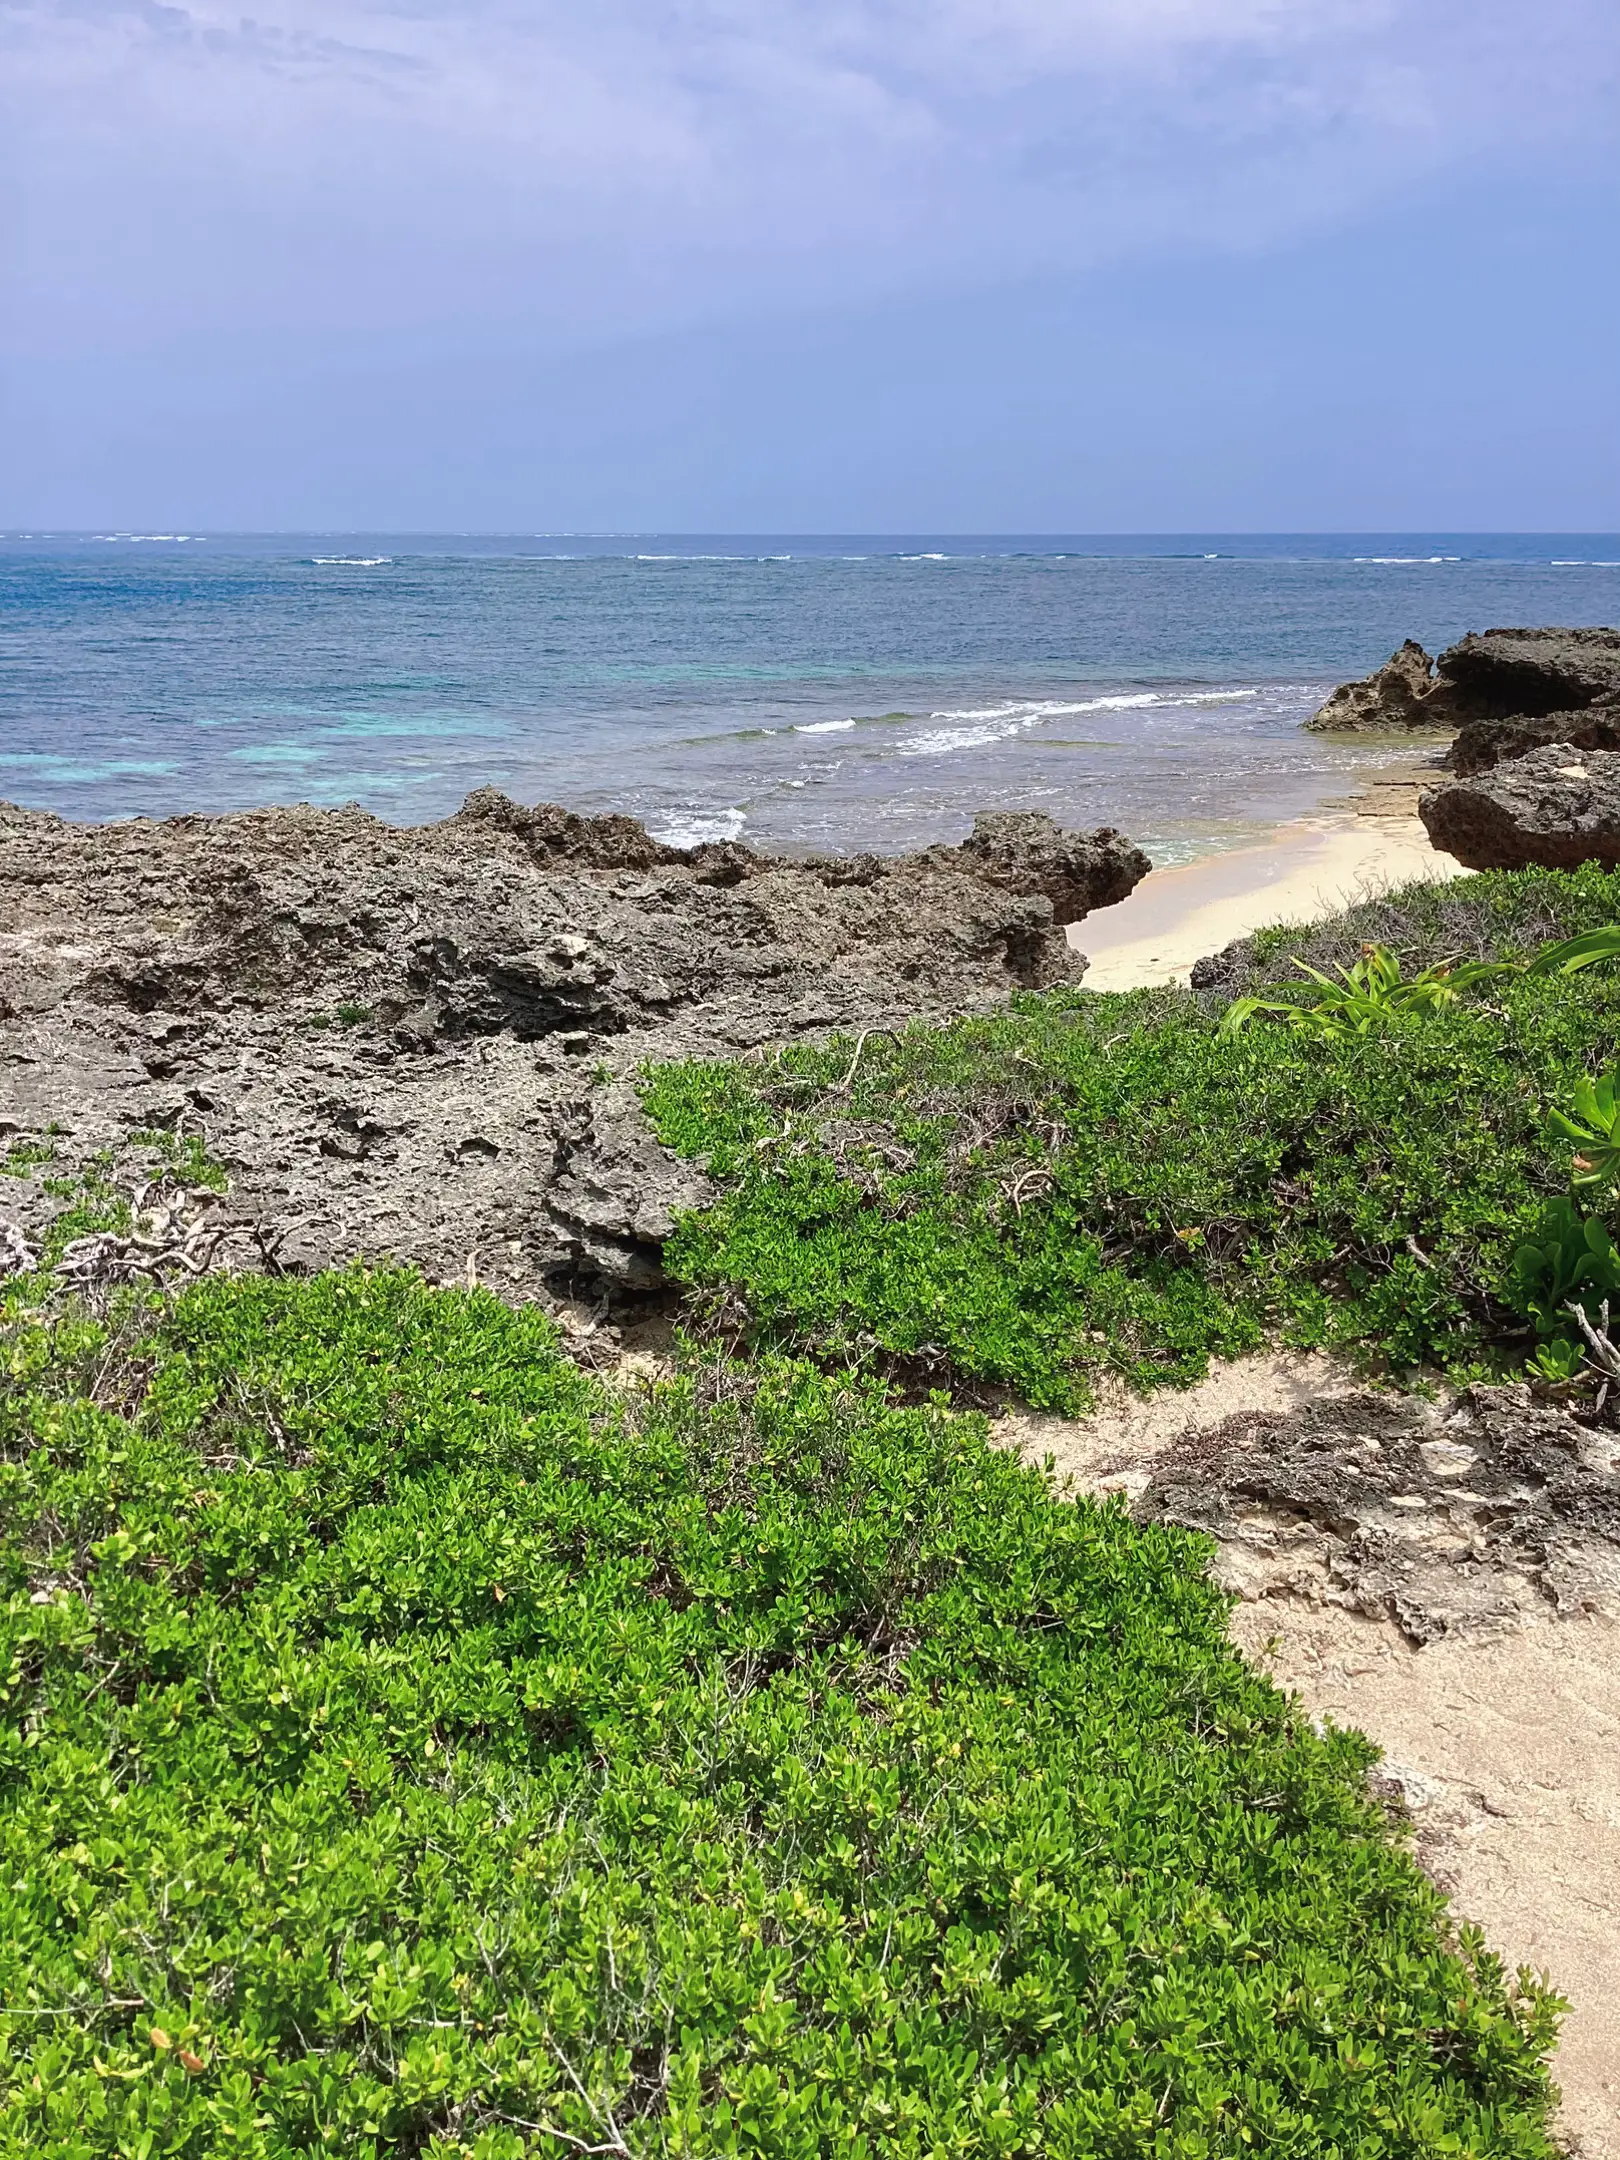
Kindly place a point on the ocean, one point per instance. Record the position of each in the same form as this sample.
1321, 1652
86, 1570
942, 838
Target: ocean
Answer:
831, 693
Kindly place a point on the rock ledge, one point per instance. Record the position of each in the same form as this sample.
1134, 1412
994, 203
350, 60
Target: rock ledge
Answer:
417, 1041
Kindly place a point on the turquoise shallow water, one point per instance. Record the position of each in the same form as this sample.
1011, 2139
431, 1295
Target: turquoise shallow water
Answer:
829, 692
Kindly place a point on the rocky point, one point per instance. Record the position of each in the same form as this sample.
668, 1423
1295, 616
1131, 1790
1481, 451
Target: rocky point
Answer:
1489, 675
421, 1042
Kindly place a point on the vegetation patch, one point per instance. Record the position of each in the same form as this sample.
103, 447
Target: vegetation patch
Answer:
410, 1747
1501, 914
1097, 1181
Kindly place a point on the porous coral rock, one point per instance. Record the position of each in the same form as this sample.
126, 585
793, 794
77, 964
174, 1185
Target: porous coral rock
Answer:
403, 1041
1558, 806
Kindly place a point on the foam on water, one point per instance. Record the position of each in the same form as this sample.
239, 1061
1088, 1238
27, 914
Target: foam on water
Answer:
995, 723
692, 828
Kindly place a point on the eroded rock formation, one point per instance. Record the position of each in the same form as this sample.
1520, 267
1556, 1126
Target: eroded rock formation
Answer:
1482, 744
1445, 1518
417, 1041
1393, 696
1500, 674
1488, 675
1557, 806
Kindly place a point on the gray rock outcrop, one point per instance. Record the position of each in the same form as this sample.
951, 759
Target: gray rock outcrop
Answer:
1500, 674
1488, 675
1391, 697
1556, 807
417, 1042
1482, 744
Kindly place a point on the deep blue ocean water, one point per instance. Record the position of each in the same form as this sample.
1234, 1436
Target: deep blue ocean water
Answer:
828, 692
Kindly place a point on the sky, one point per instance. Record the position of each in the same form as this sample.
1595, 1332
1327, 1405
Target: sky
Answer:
800, 265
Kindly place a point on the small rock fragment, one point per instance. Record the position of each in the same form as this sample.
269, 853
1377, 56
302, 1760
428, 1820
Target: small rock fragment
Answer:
1447, 1458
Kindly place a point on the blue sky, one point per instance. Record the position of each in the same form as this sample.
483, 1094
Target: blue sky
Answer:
1027, 265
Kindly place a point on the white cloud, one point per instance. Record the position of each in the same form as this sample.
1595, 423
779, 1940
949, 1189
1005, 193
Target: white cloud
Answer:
355, 167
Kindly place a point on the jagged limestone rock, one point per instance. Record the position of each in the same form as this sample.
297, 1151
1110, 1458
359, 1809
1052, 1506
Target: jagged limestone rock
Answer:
1557, 807
1488, 675
406, 1041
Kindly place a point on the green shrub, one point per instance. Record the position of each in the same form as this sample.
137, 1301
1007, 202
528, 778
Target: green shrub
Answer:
410, 1749
1500, 915
1592, 1121
1113, 1180
1570, 1261
23, 1157
1375, 988
184, 1155
1369, 993
1569, 1256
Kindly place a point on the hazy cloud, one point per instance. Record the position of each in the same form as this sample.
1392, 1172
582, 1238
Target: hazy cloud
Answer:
355, 168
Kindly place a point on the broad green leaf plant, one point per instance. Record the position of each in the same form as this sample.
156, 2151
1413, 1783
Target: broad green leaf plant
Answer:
1569, 1271
1374, 990
1593, 1122
1369, 994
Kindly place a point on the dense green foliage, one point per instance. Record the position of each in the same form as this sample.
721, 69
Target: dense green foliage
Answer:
1569, 1258
1504, 914
1592, 1121
1375, 988
411, 1747
1101, 1180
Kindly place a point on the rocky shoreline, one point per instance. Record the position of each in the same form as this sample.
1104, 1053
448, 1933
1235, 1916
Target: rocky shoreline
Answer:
1535, 756
420, 1041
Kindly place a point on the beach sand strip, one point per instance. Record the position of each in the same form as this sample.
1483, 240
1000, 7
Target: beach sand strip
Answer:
1309, 869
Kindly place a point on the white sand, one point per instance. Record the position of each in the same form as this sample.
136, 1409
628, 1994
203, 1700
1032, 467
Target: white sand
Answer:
1506, 1747
1508, 1755
1312, 868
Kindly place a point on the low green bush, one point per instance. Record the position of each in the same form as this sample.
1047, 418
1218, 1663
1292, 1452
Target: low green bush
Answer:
1568, 1257
1094, 1180
1500, 915
1565, 1277
1375, 988
411, 1748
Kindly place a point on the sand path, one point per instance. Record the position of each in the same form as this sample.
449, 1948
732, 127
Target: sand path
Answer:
1504, 1744
1507, 1753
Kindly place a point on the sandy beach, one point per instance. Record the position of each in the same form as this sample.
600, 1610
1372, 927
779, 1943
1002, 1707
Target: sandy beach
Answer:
1308, 869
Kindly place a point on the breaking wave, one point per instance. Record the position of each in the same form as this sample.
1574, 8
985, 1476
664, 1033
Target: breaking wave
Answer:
976, 725
692, 827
